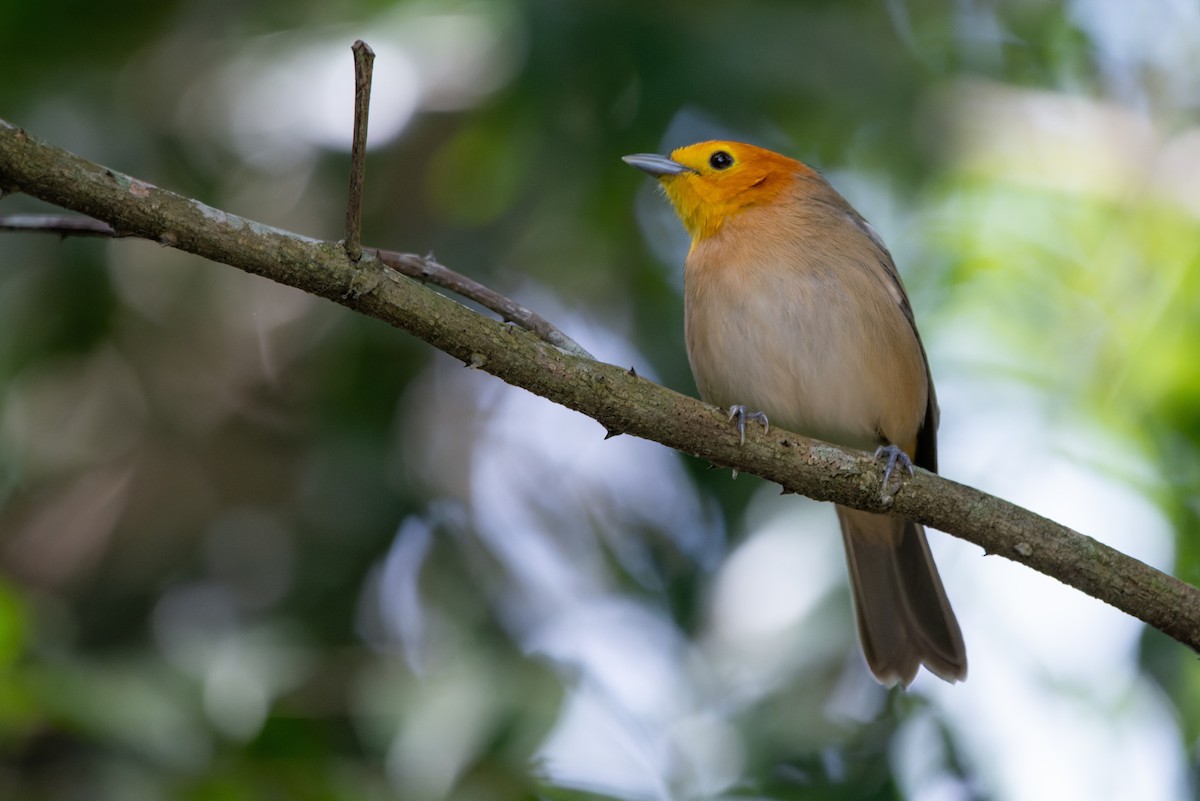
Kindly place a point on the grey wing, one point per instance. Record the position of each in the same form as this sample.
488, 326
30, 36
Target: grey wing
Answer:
926, 455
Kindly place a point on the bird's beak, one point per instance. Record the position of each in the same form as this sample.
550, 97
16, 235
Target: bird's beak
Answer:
658, 166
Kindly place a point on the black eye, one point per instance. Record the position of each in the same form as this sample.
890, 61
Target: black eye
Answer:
720, 160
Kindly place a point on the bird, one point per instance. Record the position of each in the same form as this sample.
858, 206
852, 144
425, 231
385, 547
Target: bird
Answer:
795, 314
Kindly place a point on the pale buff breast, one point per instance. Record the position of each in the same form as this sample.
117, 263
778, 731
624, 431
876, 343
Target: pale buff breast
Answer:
804, 323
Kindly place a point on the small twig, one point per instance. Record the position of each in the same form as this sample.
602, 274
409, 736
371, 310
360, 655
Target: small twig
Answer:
426, 270
364, 60
62, 225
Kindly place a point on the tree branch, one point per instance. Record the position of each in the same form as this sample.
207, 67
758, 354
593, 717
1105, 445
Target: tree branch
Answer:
618, 399
427, 269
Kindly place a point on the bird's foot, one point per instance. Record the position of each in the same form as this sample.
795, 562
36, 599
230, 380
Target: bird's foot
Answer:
894, 455
739, 413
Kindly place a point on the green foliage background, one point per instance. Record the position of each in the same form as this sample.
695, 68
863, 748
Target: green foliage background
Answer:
205, 478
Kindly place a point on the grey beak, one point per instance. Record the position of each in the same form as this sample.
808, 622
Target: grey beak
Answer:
657, 166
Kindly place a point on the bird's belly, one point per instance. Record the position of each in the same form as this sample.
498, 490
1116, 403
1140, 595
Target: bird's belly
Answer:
812, 362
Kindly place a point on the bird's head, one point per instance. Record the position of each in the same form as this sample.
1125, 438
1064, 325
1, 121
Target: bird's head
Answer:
710, 183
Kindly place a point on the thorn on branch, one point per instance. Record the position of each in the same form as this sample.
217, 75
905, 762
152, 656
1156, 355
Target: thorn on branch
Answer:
363, 283
429, 265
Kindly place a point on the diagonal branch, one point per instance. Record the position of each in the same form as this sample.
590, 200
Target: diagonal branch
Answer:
618, 399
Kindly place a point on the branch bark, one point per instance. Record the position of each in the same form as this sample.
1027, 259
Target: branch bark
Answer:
617, 398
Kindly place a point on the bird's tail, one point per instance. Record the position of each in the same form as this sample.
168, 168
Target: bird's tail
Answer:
904, 618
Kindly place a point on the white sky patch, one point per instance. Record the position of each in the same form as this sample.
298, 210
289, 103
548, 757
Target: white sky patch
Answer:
286, 97
283, 96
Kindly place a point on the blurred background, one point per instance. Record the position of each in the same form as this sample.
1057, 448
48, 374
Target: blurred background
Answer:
254, 546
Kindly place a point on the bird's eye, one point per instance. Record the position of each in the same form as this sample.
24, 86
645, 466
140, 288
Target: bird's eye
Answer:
720, 160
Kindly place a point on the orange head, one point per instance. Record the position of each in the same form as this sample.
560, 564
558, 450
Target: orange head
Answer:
711, 182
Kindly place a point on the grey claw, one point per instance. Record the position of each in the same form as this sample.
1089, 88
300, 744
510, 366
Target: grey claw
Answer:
739, 411
894, 454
